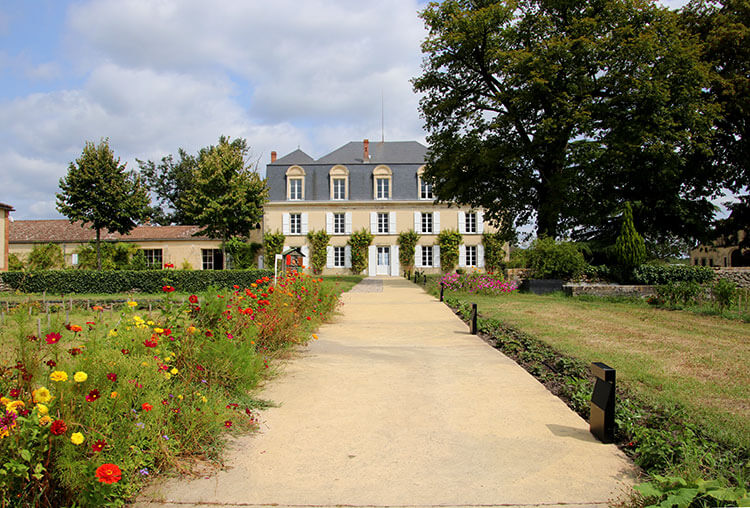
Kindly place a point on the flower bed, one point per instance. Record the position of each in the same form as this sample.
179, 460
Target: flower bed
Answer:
95, 407
479, 283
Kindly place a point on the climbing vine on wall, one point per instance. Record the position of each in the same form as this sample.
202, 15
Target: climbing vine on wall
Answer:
449, 241
318, 243
407, 241
360, 241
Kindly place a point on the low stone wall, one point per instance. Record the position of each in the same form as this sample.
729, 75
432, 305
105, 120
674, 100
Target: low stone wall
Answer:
517, 273
609, 290
739, 275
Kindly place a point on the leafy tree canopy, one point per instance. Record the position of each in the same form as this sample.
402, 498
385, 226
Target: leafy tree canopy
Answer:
561, 111
98, 190
169, 180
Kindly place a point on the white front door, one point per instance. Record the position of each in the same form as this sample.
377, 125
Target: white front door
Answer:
384, 260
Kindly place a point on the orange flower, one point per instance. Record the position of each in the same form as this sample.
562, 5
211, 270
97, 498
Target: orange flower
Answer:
146, 406
108, 473
75, 328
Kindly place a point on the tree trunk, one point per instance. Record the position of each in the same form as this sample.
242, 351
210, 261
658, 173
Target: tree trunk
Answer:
549, 204
98, 250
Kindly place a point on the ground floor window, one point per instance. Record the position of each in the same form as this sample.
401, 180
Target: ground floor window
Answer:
471, 255
339, 257
427, 255
153, 258
212, 259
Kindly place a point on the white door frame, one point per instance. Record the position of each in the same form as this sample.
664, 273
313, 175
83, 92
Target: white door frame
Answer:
384, 254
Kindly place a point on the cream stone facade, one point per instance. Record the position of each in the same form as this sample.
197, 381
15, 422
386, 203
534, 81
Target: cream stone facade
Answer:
379, 190
721, 255
4, 233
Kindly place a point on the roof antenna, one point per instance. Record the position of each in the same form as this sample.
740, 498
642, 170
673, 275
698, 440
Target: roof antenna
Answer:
382, 118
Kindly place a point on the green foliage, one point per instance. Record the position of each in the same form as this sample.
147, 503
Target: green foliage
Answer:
449, 241
359, 241
407, 241
549, 259
243, 254
319, 242
98, 192
122, 281
273, 243
562, 111
664, 274
15, 263
669, 491
630, 247
45, 257
724, 292
680, 292
169, 181
113, 256
518, 258
227, 196
494, 251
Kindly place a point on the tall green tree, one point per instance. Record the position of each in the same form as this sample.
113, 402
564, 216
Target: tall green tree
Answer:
630, 247
169, 181
228, 194
560, 111
100, 193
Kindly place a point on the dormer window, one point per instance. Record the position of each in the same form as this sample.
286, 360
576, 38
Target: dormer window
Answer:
425, 188
339, 182
295, 183
382, 176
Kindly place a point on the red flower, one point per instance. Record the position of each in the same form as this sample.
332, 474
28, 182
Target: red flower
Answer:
152, 342
75, 328
193, 299
146, 406
125, 351
52, 338
167, 331
75, 351
200, 368
92, 396
168, 265
167, 289
108, 473
58, 428
99, 445
51, 363
209, 333
112, 376
228, 423
15, 392
236, 286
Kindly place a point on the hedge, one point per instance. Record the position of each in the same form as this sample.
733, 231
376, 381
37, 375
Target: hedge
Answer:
120, 281
664, 274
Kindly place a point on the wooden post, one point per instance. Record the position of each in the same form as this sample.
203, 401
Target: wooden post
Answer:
67, 317
39, 327
442, 288
49, 322
88, 304
474, 318
29, 310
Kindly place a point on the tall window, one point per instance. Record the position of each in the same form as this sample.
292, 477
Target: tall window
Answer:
471, 222
425, 189
471, 255
382, 182
339, 188
295, 188
426, 223
339, 257
339, 182
427, 255
383, 188
295, 183
153, 258
212, 259
295, 223
383, 223
339, 223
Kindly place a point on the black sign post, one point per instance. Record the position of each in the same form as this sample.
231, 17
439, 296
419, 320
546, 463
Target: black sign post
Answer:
602, 419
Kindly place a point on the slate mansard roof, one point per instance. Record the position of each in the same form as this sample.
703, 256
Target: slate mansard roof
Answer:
403, 157
61, 230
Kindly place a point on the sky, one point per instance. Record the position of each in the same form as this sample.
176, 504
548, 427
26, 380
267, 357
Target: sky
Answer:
157, 75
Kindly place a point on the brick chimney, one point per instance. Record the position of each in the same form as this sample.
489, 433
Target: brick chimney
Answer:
273, 156
366, 154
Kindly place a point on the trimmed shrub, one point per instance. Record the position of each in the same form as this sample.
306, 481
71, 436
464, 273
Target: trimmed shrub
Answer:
629, 247
548, 259
121, 281
664, 274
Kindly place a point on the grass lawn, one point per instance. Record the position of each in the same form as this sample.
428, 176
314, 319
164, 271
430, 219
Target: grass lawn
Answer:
665, 357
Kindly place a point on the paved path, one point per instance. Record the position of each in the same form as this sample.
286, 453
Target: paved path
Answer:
398, 405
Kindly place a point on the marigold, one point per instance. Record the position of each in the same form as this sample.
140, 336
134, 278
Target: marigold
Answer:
42, 409
98, 308
131, 303
80, 376
13, 406
108, 473
41, 394
76, 438
59, 375
45, 420
113, 395
58, 428
158, 330
75, 328
174, 371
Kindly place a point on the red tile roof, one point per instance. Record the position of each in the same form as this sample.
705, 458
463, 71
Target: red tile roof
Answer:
61, 230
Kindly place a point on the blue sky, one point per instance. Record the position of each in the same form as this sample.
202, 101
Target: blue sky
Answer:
154, 76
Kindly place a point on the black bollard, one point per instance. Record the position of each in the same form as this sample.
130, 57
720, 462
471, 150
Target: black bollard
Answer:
602, 419
474, 318
425, 280
442, 289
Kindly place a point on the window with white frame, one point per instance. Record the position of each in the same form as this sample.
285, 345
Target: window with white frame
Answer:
471, 223
383, 220
471, 255
383, 188
425, 190
339, 188
295, 223
427, 255
339, 223
153, 258
295, 189
426, 223
295, 183
339, 257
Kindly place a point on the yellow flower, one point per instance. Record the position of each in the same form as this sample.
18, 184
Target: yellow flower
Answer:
168, 375
80, 376
76, 438
13, 406
191, 329
315, 337
158, 330
4, 400
41, 395
112, 333
44, 420
131, 303
144, 364
113, 395
174, 371
204, 399
59, 375
180, 397
150, 323
42, 409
